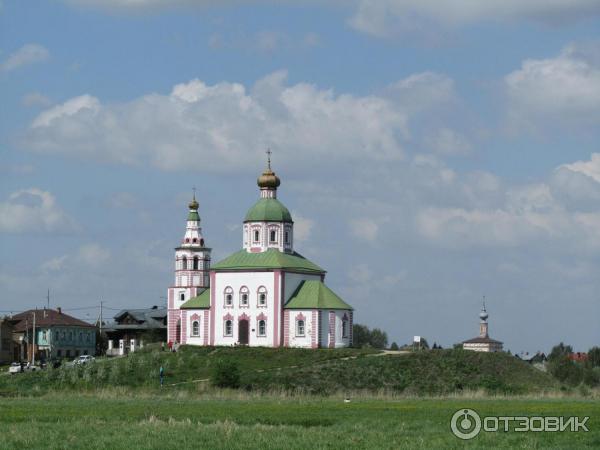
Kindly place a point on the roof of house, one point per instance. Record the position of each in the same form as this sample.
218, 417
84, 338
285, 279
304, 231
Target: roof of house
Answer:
482, 340
313, 294
147, 318
270, 259
201, 301
268, 210
45, 318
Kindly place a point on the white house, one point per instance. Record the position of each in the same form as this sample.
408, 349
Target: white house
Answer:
266, 294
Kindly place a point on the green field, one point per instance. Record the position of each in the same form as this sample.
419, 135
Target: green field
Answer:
114, 420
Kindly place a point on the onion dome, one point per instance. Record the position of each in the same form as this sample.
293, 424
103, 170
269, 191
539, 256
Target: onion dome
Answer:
268, 210
193, 205
268, 180
483, 315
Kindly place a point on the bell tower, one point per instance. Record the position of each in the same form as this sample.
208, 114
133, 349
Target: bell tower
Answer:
192, 267
483, 325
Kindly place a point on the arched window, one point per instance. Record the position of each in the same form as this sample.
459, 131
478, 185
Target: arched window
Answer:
184, 263
300, 327
195, 328
287, 237
244, 294
182, 296
273, 236
195, 263
201, 242
262, 328
195, 240
262, 296
256, 235
345, 327
228, 328
228, 296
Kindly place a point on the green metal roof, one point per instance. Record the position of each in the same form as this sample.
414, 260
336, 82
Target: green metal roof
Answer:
313, 294
270, 259
201, 301
268, 210
193, 215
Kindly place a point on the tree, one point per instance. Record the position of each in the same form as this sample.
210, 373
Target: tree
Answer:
378, 339
226, 374
594, 356
360, 335
559, 352
394, 346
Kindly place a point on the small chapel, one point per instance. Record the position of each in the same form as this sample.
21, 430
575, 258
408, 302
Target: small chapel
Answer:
483, 342
266, 294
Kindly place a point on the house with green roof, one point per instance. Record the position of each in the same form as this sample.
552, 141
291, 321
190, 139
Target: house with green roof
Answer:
266, 294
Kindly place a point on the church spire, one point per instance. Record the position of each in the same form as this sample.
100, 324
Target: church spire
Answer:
268, 182
483, 325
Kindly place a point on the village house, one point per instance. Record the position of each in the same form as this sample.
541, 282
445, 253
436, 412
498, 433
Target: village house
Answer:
6, 341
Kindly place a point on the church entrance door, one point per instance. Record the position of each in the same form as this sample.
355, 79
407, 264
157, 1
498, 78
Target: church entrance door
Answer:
243, 332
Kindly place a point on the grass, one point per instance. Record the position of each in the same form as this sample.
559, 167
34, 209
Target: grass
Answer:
116, 419
319, 372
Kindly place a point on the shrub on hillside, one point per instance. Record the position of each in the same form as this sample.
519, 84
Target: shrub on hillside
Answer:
226, 374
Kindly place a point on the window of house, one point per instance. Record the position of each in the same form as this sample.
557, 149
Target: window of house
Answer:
44, 335
70, 335
262, 328
184, 263
228, 328
300, 327
195, 328
287, 237
195, 240
56, 335
228, 296
58, 353
182, 296
273, 236
195, 263
345, 328
63, 335
256, 236
88, 337
262, 296
244, 296
80, 336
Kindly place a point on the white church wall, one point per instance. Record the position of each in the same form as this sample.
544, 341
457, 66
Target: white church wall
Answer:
340, 340
253, 281
202, 316
311, 328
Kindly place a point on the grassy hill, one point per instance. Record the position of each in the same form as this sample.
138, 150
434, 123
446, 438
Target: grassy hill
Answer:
321, 371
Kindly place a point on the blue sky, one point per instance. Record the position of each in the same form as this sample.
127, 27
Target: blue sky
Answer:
430, 152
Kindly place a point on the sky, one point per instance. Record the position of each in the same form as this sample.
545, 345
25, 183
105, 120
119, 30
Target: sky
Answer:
431, 153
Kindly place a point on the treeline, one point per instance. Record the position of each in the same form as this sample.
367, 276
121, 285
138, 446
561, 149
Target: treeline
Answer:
574, 373
362, 336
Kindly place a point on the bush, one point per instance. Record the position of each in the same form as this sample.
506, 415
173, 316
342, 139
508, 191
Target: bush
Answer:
226, 374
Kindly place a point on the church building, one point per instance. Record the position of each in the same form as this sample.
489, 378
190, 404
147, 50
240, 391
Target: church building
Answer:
264, 295
483, 342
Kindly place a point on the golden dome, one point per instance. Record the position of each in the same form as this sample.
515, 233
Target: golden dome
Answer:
268, 179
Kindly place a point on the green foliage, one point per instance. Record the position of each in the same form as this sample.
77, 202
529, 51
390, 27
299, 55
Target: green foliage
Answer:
559, 352
394, 346
362, 336
594, 356
226, 374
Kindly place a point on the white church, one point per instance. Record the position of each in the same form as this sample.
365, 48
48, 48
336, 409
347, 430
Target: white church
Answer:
265, 295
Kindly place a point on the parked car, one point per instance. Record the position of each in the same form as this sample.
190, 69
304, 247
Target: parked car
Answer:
14, 368
84, 359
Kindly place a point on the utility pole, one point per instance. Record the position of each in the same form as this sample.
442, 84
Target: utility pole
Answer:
48, 299
33, 345
101, 304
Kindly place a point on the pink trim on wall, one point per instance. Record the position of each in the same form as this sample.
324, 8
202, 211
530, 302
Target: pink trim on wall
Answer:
194, 317
261, 316
350, 323
276, 309
227, 317
300, 317
183, 337
206, 315
243, 316
281, 326
331, 329
213, 306
170, 295
315, 330
286, 328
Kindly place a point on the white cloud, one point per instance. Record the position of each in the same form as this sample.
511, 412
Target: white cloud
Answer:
33, 210
589, 168
364, 228
385, 18
555, 91
54, 264
35, 99
28, 54
422, 91
93, 255
446, 141
224, 127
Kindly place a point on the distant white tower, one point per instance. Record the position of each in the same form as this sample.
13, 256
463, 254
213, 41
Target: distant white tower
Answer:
483, 342
192, 266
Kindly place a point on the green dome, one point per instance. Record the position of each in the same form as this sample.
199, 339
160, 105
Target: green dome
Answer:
268, 210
